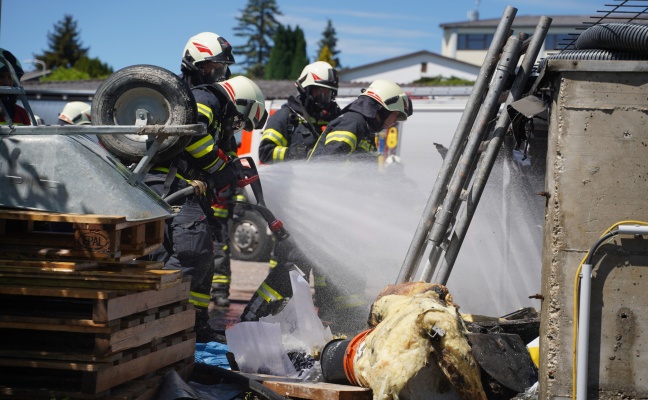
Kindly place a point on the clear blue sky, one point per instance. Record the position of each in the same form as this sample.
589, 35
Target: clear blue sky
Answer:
123, 33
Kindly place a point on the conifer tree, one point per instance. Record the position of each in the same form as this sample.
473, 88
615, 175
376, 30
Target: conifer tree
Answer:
64, 45
299, 59
67, 57
257, 25
329, 39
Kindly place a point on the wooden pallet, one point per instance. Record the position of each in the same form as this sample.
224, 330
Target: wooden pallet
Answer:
36, 234
37, 378
131, 275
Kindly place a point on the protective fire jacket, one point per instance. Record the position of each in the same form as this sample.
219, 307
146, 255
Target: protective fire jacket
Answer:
19, 116
203, 150
288, 135
352, 134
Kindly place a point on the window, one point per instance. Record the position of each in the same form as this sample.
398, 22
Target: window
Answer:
423, 67
474, 41
556, 41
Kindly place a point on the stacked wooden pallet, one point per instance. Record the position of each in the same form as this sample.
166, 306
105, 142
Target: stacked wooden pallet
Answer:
79, 316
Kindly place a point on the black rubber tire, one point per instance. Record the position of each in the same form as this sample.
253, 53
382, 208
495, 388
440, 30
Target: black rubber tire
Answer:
167, 99
249, 238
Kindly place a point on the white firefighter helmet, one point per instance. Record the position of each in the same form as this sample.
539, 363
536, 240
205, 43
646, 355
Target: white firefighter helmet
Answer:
75, 113
319, 73
207, 46
391, 96
248, 99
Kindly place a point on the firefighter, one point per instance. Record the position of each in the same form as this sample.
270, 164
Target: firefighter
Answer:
224, 107
293, 130
75, 113
17, 114
353, 134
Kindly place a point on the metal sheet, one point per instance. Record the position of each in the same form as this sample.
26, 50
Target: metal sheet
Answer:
71, 174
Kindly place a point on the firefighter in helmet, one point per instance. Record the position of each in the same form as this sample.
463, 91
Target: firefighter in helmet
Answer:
293, 130
224, 107
206, 59
75, 113
352, 135
17, 114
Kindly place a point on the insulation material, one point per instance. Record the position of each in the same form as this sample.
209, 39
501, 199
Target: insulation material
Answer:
416, 328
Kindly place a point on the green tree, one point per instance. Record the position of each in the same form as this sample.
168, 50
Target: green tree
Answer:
300, 59
288, 56
258, 26
277, 67
67, 57
64, 45
329, 39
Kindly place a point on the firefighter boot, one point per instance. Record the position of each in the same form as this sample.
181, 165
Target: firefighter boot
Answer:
204, 332
220, 295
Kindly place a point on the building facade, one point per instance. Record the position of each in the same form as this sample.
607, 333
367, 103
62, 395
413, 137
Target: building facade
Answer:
469, 41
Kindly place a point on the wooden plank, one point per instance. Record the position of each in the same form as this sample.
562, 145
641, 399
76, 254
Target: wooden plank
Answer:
144, 333
74, 293
81, 283
51, 265
295, 388
28, 215
138, 302
137, 367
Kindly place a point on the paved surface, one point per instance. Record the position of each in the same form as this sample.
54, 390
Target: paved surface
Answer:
246, 278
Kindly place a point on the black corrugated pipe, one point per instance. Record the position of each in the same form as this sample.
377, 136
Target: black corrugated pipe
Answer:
615, 36
595, 54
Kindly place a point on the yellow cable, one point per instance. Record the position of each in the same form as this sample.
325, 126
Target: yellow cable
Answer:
576, 289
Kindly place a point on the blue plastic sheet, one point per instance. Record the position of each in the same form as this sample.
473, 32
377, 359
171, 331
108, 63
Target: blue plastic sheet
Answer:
212, 353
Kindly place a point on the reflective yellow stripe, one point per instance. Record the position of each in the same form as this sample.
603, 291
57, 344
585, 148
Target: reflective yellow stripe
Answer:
365, 145
239, 197
319, 281
268, 294
273, 263
275, 137
220, 212
279, 153
217, 165
199, 299
355, 300
221, 279
166, 170
201, 147
206, 111
342, 136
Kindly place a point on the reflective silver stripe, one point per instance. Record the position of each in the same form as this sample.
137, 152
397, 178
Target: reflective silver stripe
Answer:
206, 111
199, 299
275, 137
268, 294
201, 147
344, 137
216, 166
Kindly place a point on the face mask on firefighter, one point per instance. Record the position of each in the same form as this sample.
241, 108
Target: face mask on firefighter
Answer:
214, 71
321, 96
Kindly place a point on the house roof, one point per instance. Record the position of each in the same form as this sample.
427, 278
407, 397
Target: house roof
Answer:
523, 21
85, 89
416, 54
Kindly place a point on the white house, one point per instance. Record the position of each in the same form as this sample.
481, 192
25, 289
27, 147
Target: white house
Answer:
469, 41
411, 67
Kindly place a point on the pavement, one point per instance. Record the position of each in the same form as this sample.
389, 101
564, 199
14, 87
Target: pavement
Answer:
246, 278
